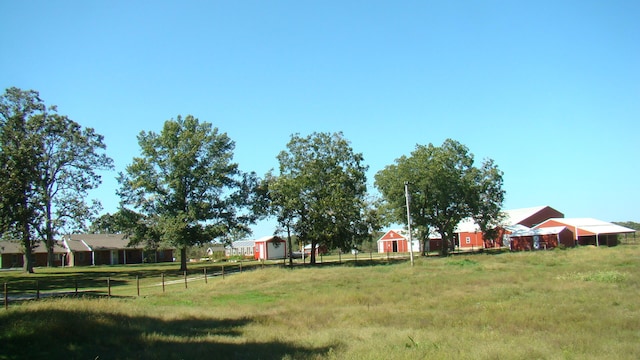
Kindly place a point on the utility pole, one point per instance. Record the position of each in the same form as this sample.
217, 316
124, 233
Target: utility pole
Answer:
406, 195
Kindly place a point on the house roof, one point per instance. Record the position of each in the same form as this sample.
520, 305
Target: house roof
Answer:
14, 247
100, 242
593, 226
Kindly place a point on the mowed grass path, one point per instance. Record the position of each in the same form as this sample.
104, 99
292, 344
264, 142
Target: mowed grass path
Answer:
572, 304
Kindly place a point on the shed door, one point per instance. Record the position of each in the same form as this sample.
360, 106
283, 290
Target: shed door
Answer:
536, 242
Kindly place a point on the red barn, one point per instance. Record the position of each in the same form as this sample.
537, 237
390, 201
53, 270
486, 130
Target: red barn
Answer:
392, 241
469, 235
395, 241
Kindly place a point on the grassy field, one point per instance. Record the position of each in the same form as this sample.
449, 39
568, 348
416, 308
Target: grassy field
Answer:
563, 304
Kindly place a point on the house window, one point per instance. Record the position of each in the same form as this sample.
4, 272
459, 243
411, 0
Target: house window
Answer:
467, 240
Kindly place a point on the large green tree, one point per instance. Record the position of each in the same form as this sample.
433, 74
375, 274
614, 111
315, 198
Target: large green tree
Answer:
320, 191
56, 161
71, 156
20, 159
187, 186
445, 187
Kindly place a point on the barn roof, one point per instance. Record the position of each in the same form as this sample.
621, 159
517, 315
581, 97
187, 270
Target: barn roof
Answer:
512, 217
593, 226
516, 216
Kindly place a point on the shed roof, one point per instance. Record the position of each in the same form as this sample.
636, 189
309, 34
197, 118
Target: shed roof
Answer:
553, 230
242, 243
269, 238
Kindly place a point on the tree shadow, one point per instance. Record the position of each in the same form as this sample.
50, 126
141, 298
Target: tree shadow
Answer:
69, 334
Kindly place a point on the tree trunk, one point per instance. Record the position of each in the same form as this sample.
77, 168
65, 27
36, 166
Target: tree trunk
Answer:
290, 247
183, 258
312, 259
424, 247
27, 244
49, 234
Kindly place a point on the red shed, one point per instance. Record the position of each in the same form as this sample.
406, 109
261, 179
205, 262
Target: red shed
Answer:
395, 241
269, 248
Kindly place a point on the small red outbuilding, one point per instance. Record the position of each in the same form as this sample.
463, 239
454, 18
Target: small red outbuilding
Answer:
269, 248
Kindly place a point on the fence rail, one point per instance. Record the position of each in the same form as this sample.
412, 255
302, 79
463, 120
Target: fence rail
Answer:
121, 286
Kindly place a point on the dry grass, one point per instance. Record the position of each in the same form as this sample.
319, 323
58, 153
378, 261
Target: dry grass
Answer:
573, 304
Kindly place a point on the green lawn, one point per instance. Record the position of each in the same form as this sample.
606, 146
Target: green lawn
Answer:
572, 304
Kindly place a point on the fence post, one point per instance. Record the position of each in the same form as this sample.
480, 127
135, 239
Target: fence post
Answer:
205, 275
162, 282
6, 296
109, 286
138, 284
240, 266
222, 271
185, 279
37, 290
339, 256
75, 282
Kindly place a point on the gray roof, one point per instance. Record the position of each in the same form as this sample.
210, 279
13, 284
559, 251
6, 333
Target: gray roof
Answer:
90, 242
242, 243
15, 247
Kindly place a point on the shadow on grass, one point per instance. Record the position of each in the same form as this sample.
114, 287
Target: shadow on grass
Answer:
67, 334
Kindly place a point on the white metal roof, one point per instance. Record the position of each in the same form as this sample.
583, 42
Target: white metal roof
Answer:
594, 226
467, 225
539, 231
242, 243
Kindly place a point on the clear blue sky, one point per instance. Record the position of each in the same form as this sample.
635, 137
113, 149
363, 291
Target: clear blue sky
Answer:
548, 89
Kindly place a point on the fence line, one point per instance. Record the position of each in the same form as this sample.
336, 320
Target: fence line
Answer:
105, 287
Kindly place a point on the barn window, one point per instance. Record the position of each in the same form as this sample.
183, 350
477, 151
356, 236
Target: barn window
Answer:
468, 240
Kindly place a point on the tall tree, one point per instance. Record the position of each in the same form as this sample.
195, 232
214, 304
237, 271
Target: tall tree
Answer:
320, 191
58, 163
71, 157
186, 182
20, 158
445, 188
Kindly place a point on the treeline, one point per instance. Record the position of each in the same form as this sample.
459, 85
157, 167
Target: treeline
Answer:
184, 189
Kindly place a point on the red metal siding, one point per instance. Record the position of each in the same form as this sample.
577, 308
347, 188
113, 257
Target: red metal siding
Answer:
541, 216
475, 240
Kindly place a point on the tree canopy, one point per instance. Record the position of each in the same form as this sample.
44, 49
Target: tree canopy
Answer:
320, 191
186, 185
48, 164
445, 187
